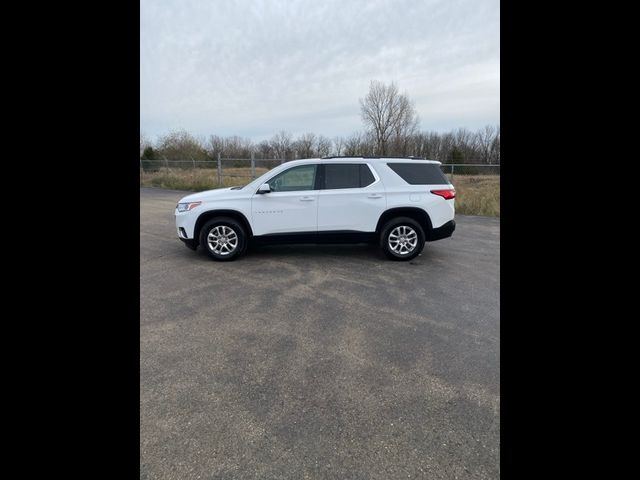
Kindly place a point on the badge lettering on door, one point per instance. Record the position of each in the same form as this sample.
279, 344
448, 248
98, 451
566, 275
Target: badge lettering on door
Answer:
269, 211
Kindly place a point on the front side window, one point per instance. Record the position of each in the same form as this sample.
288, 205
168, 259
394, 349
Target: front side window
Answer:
347, 175
295, 179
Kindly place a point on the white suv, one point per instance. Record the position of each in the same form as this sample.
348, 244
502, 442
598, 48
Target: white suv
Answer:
397, 202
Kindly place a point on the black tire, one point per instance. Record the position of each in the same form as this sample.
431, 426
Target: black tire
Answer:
224, 225
411, 226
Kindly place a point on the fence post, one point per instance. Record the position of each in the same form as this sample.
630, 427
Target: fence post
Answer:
166, 164
281, 160
253, 166
219, 170
452, 168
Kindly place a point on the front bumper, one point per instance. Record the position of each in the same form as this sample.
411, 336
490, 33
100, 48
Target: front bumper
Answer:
187, 222
184, 227
444, 231
190, 242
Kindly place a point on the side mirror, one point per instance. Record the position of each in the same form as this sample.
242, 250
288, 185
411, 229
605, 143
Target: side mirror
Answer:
264, 188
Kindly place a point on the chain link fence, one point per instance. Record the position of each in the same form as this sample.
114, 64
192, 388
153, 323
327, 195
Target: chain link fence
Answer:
453, 169
200, 174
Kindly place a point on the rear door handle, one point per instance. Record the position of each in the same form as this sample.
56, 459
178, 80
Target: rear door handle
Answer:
306, 199
375, 195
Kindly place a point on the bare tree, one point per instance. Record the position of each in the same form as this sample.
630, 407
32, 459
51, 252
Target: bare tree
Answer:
238, 147
447, 145
281, 144
354, 145
323, 146
405, 128
181, 145
387, 114
457, 146
305, 145
430, 145
144, 142
484, 139
494, 155
465, 145
338, 145
264, 149
215, 146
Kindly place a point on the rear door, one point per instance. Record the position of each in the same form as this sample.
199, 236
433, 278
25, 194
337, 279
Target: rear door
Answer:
351, 198
292, 204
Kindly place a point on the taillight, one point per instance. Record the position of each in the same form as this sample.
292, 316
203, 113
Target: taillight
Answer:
446, 194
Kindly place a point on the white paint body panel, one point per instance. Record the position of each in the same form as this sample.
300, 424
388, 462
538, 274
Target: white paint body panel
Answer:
352, 209
400, 194
282, 212
219, 199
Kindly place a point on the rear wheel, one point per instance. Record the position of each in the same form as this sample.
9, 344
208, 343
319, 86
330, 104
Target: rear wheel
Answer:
402, 238
223, 238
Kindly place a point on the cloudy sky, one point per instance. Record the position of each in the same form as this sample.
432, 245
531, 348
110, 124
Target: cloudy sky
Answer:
252, 68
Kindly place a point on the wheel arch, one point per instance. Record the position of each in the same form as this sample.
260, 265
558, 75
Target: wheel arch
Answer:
415, 213
208, 215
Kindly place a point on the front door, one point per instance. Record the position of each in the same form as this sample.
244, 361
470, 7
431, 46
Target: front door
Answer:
291, 206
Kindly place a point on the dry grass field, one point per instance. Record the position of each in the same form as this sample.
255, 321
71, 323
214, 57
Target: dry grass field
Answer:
197, 179
477, 194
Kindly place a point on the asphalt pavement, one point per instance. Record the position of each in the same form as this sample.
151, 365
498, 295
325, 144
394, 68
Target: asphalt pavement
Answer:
317, 362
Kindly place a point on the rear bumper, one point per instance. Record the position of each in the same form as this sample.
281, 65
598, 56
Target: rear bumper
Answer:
444, 231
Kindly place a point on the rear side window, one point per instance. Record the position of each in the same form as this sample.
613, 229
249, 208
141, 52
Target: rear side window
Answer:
420, 173
347, 175
366, 177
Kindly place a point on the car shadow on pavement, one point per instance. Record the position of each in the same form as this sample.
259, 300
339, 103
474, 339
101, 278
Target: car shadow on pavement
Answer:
316, 253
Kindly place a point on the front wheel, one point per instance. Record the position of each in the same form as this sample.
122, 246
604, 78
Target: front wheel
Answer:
402, 239
223, 239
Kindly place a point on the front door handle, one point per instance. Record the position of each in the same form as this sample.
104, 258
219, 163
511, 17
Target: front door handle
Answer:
306, 199
375, 195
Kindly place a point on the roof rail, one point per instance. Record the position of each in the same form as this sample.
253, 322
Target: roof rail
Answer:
365, 156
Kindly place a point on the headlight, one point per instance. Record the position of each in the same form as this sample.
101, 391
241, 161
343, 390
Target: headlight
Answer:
185, 207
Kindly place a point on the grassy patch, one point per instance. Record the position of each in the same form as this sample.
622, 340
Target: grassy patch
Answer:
475, 194
198, 179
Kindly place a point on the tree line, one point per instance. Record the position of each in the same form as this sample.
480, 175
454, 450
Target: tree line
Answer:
391, 128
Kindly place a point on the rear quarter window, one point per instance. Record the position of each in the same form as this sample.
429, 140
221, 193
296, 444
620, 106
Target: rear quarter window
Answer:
420, 173
347, 175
